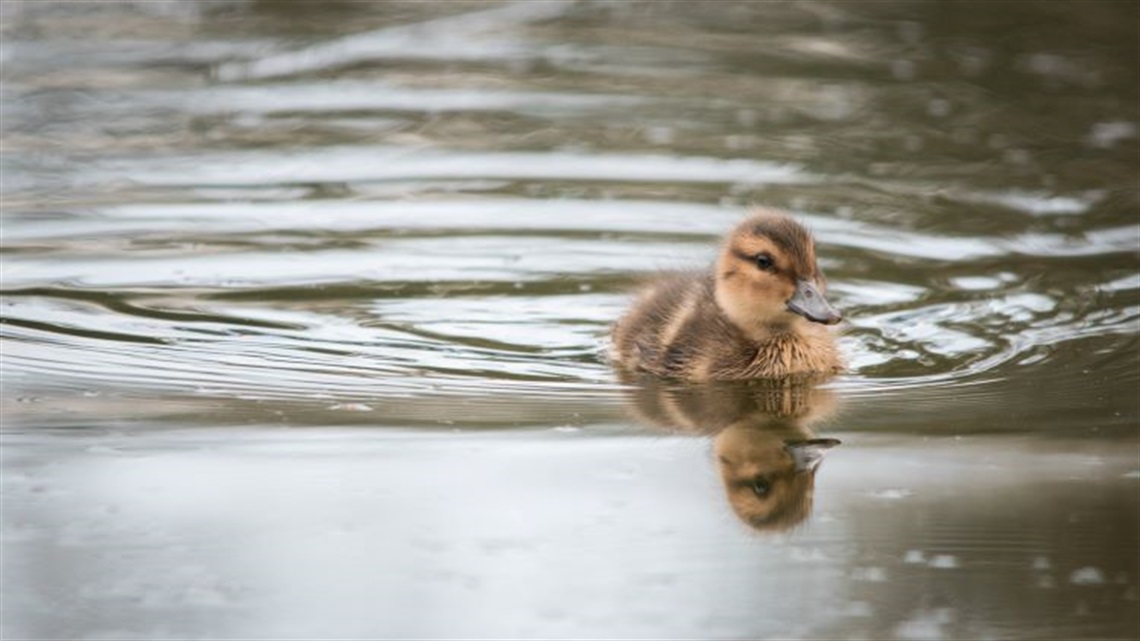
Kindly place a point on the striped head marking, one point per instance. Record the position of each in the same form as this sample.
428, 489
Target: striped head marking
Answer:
767, 275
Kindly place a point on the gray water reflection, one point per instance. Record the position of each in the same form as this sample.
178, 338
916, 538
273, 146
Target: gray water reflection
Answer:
410, 224
275, 533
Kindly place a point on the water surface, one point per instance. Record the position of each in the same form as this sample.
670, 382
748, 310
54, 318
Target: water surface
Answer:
406, 229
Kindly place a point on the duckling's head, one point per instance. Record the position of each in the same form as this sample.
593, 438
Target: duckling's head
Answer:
767, 275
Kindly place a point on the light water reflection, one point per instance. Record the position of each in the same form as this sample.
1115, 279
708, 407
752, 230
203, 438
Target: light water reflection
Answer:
365, 533
410, 225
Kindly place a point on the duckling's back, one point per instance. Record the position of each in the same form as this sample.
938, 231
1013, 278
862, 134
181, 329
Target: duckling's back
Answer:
675, 329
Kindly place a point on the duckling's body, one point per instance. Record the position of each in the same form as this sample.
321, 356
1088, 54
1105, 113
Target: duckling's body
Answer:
760, 313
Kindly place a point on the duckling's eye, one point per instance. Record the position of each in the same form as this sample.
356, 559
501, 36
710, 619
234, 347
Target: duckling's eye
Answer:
761, 486
765, 262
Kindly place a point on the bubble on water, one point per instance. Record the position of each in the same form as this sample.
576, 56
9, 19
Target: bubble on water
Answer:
973, 61
871, 574
1105, 135
737, 142
1042, 563
1037, 203
568, 429
938, 108
1016, 156
1044, 63
903, 70
351, 407
659, 135
1088, 575
747, 117
891, 494
808, 555
926, 624
1134, 474
836, 103
975, 283
914, 556
910, 32
944, 562
800, 143
997, 141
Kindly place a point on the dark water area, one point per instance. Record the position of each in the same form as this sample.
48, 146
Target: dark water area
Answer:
305, 307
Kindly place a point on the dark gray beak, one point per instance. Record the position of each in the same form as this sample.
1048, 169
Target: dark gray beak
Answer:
807, 454
810, 303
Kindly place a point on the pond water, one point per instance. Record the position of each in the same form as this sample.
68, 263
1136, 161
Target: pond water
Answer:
305, 308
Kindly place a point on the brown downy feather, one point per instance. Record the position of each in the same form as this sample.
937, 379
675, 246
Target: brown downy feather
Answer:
735, 322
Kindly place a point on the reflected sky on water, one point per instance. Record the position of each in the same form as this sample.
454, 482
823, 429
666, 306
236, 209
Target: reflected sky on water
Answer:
305, 307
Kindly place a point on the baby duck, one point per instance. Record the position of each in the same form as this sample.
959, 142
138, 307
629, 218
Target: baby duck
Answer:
760, 313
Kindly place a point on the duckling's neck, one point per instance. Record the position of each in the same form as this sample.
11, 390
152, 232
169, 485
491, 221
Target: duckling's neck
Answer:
762, 329
778, 328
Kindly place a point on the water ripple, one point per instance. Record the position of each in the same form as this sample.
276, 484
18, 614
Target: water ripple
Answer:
455, 203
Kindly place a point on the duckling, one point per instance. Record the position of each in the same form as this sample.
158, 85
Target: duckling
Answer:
759, 313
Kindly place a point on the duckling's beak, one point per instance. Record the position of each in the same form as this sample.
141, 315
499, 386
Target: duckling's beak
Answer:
808, 454
810, 303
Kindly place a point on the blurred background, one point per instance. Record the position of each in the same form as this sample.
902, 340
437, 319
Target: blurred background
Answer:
305, 307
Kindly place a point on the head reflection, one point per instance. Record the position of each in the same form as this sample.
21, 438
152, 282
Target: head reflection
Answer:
763, 444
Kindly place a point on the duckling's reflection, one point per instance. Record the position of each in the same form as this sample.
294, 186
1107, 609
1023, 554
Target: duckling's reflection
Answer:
764, 447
